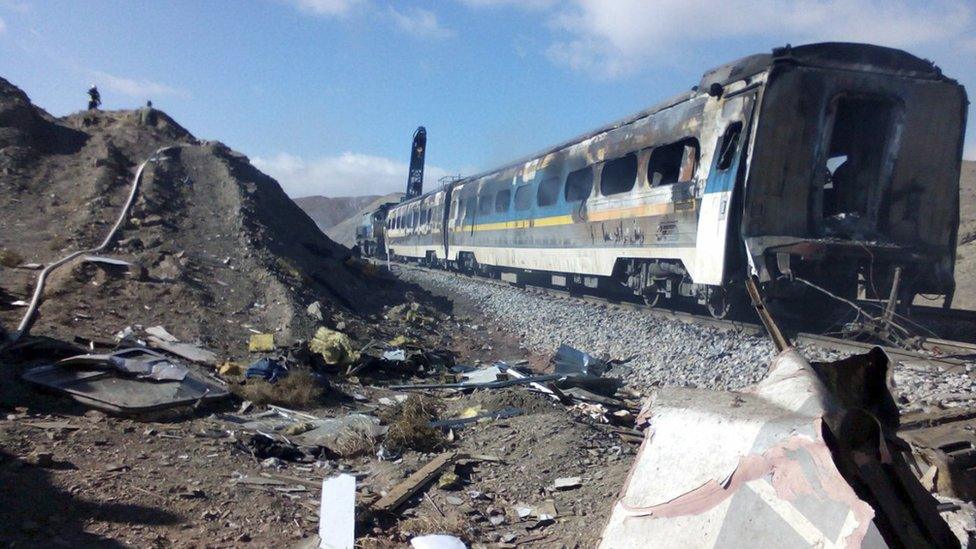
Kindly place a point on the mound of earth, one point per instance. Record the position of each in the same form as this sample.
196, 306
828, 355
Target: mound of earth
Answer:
218, 248
344, 232
965, 297
327, 211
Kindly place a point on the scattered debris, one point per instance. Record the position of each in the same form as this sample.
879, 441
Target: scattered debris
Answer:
573, 361
129, 381
337, 518
456, 423
188, 351
395, 355
161, 334
267, 369
793, 408
334, 347
261, 343
401, 492
567, 483
437, 541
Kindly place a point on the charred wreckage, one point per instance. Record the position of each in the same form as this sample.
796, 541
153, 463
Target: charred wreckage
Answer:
828, 167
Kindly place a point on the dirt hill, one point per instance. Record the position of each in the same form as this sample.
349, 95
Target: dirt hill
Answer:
344, 232
328, 212
218, 247
965, 297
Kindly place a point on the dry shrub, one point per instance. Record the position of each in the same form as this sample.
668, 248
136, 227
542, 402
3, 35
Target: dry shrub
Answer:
354, 443
433, 523
409, 425
299, 390
10, 258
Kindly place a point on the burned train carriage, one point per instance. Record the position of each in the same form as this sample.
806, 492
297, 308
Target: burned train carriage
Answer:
829, 164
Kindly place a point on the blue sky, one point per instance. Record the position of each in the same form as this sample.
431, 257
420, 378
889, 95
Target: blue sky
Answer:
325, 94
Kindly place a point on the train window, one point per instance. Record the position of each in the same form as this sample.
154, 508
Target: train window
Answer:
672, 163
730, 144
619, 175
548, 192
503, 200
485, 204
579, 184
523, 198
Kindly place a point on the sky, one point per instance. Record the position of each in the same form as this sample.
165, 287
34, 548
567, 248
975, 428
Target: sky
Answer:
324, 95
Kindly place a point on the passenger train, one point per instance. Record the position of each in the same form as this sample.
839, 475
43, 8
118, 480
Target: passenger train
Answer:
826, 165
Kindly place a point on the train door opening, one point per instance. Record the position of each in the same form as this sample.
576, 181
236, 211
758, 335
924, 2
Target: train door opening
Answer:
854, 171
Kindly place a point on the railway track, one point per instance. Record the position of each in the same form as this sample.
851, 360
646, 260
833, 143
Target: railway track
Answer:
947, 355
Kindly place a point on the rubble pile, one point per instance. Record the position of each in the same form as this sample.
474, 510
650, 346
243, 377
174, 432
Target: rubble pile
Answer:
196, 381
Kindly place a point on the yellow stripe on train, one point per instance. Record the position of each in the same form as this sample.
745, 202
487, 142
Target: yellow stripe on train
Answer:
645, 210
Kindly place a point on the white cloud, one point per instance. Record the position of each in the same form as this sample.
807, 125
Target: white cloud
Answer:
612, 38
3, 26
348, 174
141, 89
327, 8
419, 22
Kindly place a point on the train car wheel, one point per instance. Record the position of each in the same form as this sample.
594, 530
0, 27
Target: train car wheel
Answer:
651, 299
719, 303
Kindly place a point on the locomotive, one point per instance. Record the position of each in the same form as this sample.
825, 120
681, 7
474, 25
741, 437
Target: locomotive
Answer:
830, 167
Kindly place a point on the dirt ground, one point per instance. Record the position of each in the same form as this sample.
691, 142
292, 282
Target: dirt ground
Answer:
74, 476
217, 253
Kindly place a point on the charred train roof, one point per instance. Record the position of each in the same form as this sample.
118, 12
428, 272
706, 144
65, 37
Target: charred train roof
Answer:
830, 55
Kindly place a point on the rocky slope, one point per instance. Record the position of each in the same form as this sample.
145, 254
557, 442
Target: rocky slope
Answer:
330, 211
218, 248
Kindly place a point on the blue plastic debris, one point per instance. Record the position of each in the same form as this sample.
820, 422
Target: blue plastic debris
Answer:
267, 369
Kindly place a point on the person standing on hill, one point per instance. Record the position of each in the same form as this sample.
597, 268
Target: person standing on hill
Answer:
94, 98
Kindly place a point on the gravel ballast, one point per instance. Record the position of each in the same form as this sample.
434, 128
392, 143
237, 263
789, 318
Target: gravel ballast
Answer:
666, 352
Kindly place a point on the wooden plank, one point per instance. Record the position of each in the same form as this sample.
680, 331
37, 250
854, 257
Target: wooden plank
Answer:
402, 492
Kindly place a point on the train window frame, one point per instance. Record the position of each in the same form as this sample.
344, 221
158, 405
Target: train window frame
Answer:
549, 189
621, 163
571, 184
727, 149
507, 200
526, 203
670, 149
486, 203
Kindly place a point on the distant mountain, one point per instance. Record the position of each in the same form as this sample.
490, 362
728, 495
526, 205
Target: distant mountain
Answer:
344, 232
327, 212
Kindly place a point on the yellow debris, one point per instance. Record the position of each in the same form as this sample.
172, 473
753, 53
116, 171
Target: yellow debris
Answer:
400, 341
229, 368
261, 343
470, 412
334, 347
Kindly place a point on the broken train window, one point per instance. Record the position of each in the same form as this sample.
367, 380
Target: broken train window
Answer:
672, 163
857, 152
485, 203
548, 192
579, 184
503, 200
523, 197
619, 175
729, 146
